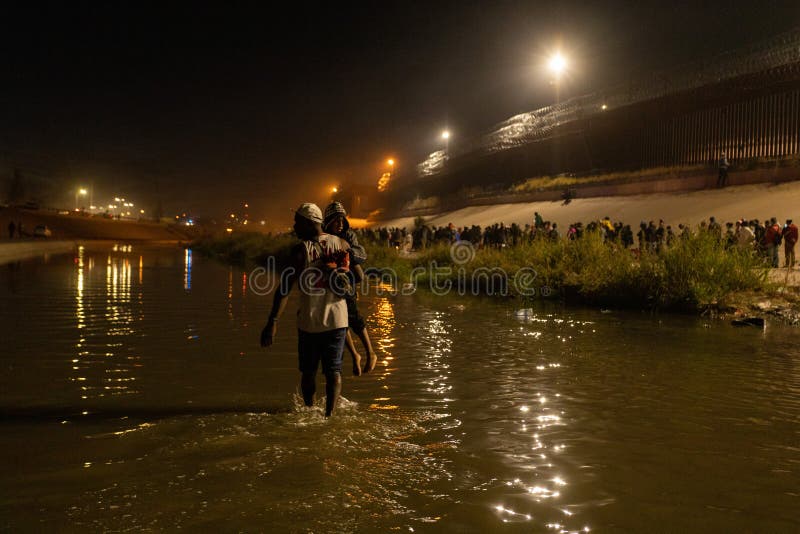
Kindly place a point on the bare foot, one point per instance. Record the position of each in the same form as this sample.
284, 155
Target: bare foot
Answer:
356, 364
372, 360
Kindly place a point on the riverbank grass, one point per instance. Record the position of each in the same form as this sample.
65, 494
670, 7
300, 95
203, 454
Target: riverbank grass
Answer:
695, 273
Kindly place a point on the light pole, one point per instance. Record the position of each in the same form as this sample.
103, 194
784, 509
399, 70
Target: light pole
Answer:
446, 137
80, 192
557, 65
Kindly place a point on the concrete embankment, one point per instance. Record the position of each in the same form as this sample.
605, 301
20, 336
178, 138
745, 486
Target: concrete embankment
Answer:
727, 204
22, 250
79, 227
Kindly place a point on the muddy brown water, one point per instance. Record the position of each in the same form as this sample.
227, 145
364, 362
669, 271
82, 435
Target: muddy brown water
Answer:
135, 397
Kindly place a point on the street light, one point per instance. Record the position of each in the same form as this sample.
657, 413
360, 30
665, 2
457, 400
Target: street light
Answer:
80, 192
446, 137
390, 162
335, 190
557, 64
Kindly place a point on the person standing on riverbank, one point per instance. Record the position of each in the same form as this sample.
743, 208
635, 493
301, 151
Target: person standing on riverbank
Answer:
11, 229
745, 237
789, 241
772, 240
322, 318
336, 223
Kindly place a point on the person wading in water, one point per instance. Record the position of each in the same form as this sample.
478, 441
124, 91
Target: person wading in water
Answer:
319, 262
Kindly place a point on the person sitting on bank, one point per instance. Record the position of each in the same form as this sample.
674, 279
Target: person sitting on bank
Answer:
322, 317
336, 223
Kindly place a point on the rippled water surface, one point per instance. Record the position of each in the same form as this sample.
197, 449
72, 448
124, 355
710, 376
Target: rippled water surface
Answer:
135, 397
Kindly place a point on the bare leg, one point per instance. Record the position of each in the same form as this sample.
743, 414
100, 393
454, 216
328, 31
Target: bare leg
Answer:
308, 386
372, 358
348, 341
333, 387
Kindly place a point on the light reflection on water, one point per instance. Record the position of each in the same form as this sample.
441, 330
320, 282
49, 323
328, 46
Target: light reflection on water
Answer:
103, 365
382, 323
187, 269
477, 418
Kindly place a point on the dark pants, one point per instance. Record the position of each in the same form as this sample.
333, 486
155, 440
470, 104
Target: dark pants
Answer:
321, 347
722, 179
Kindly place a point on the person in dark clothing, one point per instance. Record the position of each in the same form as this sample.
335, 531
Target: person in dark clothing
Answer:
626, 236
771, 241
336, 223
641, 235
651, 237
660, 235
11, 229
722, 178
789, 241
714, 228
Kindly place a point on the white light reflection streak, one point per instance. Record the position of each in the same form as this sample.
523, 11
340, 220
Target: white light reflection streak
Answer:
187, 270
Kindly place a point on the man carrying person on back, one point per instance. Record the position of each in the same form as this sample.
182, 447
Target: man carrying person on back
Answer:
318, 261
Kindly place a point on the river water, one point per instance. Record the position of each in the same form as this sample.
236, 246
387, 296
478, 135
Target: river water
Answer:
135, 397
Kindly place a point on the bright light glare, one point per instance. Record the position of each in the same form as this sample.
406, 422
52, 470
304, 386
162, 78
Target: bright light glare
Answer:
335, 189
446, 134
390, 162
83, 192
557, 63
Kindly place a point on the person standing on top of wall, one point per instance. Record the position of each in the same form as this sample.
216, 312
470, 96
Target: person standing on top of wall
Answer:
722, 178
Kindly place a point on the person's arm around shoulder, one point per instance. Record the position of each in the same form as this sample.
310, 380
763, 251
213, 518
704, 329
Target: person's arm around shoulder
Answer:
280, 299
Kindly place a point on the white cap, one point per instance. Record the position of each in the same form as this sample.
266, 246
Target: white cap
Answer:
310, 211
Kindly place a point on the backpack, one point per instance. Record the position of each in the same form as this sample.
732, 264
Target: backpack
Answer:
778, 238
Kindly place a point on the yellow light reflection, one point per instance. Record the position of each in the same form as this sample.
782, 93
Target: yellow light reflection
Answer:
106, 320
381, 327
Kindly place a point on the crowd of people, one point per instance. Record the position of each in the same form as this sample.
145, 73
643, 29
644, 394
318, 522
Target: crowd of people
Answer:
765, 237
328, 310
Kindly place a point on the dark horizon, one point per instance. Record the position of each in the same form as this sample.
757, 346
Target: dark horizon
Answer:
207, 109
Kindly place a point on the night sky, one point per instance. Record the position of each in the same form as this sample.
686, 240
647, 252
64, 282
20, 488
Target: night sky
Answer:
205, 108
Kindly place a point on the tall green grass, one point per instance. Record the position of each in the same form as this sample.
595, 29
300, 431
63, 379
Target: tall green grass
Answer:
690, 274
